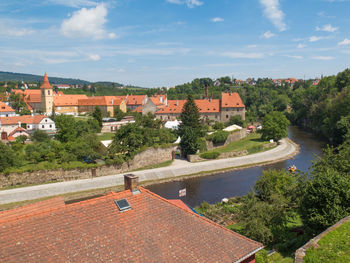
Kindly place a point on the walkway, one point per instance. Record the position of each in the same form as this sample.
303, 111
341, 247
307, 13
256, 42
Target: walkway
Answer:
285, 150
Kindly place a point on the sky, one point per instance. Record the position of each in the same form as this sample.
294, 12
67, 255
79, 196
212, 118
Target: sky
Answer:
156, 43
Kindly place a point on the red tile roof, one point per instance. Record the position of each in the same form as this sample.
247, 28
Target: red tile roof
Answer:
153, 230
135, 100
231, 100
30, 95
138, 109
204, 106
101, 101
46, 83
5, 108
29, 119
159, 99
68, 100
18, 129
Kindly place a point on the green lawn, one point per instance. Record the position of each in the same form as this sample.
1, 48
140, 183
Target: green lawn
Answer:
252, 143
106, 136
334, 247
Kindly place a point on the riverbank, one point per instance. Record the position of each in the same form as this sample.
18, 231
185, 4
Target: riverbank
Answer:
178, 170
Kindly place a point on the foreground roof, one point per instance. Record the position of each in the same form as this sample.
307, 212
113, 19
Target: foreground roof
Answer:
153, 230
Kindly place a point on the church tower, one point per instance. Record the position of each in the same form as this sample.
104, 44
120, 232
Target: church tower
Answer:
46, 96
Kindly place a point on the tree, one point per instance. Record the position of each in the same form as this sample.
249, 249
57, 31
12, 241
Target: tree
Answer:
39, 136
275, 126
326, 200
118, 114
191, 128
6, 157
66, 128
97, 114
236, 119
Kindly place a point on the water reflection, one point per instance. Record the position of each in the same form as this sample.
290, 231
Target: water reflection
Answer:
233, 183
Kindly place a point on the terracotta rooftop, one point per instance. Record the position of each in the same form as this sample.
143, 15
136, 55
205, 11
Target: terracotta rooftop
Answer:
5, 108
29, 119
68, 100
135, 99
153, 230
231, 100
101, 101
46, 83
204, 106
159, 99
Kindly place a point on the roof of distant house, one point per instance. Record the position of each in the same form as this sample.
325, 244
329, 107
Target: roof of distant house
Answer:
28, 119
204, 106
158, 99
5, 108
101, 101
135, 99
95, 230
68, 100
231, 100
18, 129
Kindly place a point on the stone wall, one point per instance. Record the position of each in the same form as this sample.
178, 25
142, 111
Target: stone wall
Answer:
149, 157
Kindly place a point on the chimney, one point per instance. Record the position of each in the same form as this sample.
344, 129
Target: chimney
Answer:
112, 101
130, 182
19, 124
206, 92
161, 99
177, 102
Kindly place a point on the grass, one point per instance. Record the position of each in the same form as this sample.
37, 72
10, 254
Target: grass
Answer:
106, 136
252, 143
334, 247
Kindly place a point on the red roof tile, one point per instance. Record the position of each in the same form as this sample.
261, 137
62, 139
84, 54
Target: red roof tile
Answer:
208, 106
204, 106
231, 100
68, 100
153, 230
29, 119
135, 100
5, 108
159, 99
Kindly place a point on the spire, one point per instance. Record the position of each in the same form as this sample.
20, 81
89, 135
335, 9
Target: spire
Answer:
46, 83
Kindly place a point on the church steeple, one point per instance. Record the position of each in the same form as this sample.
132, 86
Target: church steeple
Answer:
46, 83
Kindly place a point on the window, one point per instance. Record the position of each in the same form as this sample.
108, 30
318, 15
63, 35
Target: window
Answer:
50, 126
48, 92
43, 126
226, 116
45, 120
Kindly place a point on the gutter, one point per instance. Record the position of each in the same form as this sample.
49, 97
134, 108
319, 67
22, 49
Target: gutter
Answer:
250, 254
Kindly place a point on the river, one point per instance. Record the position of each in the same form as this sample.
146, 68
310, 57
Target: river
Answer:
213, 188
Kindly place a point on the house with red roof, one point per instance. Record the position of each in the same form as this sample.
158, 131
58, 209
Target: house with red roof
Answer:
28, 122
6, 111
134, 225
231, 105
135, 101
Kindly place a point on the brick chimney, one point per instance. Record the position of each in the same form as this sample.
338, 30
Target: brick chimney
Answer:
131, 182
206, 92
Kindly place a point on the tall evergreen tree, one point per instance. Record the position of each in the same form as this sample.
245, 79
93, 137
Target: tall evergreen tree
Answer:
97, 114
191, 128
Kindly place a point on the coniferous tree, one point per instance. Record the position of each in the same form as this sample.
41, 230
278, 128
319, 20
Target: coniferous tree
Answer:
97, 114
191, 128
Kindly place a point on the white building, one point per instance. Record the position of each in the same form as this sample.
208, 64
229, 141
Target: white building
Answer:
6, 111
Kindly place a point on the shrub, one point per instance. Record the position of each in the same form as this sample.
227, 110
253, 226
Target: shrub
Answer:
210, 155
219, 125
219, 137
261, 256
202, 145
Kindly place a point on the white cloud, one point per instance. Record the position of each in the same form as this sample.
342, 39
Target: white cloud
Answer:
296, 57
344, 42
301, 45
242, 55
252, 46
87, 23
323, 58
72, 3
15, 32
189, 3
94, 57
273, 12
327, 28
315, 38
151, 51
268, 34
217, 19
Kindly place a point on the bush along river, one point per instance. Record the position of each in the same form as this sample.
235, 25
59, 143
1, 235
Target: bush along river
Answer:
213, 188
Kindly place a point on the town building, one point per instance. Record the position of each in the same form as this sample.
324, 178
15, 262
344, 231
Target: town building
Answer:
68, 104
28, 122
105, 103
135, 101
222, 109
6, 111
134, 225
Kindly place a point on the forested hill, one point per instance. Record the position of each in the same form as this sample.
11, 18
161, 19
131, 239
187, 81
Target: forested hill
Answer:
10, 76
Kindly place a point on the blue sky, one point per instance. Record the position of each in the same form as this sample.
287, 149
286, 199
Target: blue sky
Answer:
157, 43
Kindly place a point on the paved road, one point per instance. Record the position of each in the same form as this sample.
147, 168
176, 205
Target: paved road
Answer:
285, 150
